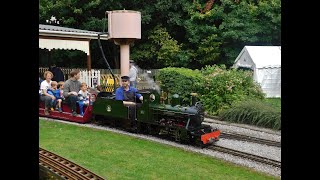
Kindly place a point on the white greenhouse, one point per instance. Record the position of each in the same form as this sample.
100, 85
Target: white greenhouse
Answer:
265, 61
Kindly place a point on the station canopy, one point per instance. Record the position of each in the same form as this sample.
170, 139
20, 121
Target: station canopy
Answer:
57, 37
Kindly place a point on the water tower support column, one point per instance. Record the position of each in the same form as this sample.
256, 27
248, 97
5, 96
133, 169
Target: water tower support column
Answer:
124, 59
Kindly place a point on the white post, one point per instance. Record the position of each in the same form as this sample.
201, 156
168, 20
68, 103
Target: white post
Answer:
98, 77
88, 78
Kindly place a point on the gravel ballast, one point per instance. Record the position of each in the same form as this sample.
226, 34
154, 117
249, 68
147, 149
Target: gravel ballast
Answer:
244, 130
262, 150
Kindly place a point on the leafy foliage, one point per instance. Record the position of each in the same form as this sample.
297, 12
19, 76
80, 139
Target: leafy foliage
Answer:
217, 87
223, 87
164, 49
249, 23
183, 33
209, 49
180, 81
253, 112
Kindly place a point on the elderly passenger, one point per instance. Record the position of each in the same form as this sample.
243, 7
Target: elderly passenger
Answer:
44, 96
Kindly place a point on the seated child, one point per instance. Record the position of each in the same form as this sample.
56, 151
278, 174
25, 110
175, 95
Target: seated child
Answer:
56, 93
60, 87
83, 95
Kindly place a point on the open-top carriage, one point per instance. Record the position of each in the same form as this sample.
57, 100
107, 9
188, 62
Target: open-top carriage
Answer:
66, 113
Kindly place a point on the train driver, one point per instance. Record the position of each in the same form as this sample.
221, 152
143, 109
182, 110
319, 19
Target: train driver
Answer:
126, 93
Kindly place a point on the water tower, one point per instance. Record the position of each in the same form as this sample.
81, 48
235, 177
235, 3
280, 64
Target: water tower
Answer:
124, 26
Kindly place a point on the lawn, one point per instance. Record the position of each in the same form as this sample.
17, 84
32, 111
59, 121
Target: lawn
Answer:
116, 156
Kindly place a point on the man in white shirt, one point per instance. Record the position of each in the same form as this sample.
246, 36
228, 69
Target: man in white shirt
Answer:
133, 74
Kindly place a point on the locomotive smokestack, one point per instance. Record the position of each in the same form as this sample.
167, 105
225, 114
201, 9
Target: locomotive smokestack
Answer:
194, 98
175, 100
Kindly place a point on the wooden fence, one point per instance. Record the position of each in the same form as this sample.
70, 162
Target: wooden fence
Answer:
103, 76
92, 78
66, 72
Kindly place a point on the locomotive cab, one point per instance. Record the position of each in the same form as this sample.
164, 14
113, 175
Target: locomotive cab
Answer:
113, 111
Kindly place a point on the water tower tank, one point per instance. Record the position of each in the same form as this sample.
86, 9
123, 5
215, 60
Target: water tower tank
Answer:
124, 24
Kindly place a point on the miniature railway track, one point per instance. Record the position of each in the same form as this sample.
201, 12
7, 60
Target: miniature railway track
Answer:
63, 167
210, 120
249, 139
246, 155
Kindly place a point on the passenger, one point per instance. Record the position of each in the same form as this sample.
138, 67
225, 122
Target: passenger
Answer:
56, 93
128, 95
99, 88
61, 87
71, 89
133, 74
44, 86
83, 97
94, 91
57, 73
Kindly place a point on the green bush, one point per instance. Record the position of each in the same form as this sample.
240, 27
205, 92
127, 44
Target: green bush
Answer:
181, 81
217, 87
255, 112
222, 87
229, 93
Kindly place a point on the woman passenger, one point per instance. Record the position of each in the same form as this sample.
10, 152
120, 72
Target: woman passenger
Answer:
44, 86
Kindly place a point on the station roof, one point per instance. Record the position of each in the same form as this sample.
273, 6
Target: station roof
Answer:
58, 31
57, 37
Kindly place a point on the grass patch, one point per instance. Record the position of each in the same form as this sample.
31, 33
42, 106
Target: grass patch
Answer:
116, 156
274, 102
253, 112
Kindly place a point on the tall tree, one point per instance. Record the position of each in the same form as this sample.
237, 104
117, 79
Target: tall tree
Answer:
188, 33
252, 22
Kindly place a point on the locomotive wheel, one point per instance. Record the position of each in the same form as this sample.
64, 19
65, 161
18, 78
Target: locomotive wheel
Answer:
97, 119
199, 143
182, 136
113, 123
150, 129
177, 136
142, 127
139, 127
191, 140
